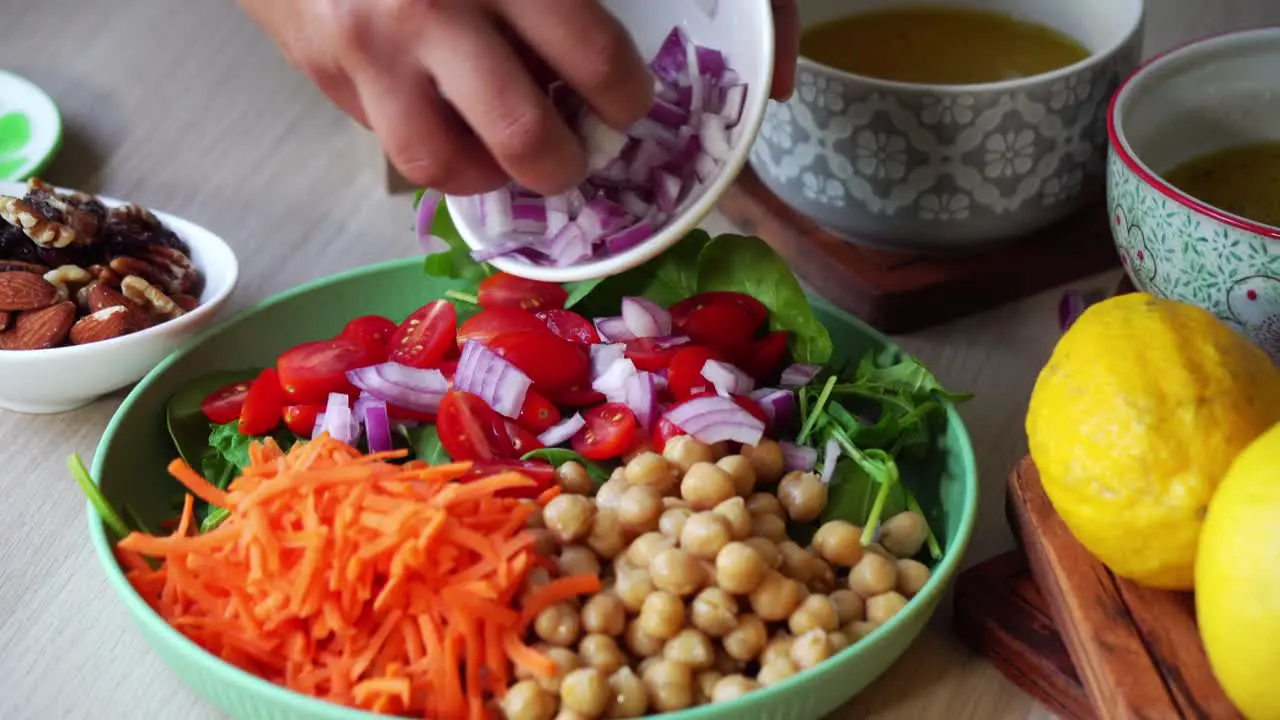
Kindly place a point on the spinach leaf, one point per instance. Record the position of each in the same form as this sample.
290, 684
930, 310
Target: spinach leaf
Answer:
907, 377
226, 452
737, 263
455, 262
559, 456
424, 441
666, 279
188, 427
851, 496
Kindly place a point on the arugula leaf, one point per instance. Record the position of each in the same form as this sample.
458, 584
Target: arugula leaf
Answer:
738, 263
851, 496
666, 279
559, 456
455, 262
424, 441
188, 427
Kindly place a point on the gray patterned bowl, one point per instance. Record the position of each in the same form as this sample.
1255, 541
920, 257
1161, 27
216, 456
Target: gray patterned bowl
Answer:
1196, 99
938, 168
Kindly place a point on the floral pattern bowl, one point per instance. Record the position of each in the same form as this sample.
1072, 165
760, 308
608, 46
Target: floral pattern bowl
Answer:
1196, 99
939, 168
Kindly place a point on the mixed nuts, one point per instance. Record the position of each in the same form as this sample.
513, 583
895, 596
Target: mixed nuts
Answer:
74, 271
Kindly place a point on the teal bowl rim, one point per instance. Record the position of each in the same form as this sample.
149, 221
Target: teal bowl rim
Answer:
154, 626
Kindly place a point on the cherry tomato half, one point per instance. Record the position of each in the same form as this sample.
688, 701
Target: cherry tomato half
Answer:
724, 326
301, 419
373, 329
764, 358
752, 407
488, 324
551, 363
426, 336
541, 472
263, 404
538, 413
395, 412
569, 325
756, 311
223, 405
684, 375
503, 290
663, 431
579, 396
649, 354
470, 430
610, 431
310, 371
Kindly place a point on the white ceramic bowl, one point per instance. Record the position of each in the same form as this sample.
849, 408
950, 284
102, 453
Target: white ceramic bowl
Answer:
743, 31
67, 378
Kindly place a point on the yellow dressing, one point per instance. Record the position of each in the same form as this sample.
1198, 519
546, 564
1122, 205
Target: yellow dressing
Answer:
1243, 180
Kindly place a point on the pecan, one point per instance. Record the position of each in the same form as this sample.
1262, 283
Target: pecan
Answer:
150, 297
43, 230
105, 275
186, 302
130, 228
176, 272
4, 321
82, 213
125, 265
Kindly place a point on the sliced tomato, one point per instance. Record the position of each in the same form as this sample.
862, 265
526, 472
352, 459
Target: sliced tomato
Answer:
471, 430
610, 431
569, 325
763, 360
684, 375
426, 336
373, 329
310, 371
756, 311
395, 412
263, 404
579, 396
538, 413
649, 354
301, 419
503, 290
663, 431
488, 324
752, 407
448, 368
724, 326
223, 405
552, 363
541, 472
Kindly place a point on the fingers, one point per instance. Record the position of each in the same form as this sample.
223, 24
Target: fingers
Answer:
786, 29
479, 73
340, 90
590, 50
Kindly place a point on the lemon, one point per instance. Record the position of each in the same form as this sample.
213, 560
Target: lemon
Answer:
1133, 422
1238, 580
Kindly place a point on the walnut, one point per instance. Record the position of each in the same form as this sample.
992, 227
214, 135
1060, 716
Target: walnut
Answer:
79, 211
67, 279
177, 273
44, 231
150, 297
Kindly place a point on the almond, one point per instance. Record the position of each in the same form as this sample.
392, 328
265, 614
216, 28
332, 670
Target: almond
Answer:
105, 324
21, 290
100, 297
39, 329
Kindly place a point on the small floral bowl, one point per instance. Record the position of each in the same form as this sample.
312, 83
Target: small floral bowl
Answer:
1196, 99
943, 168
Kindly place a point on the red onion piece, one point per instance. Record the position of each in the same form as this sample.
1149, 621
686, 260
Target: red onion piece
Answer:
486, 374
562, 431
830, 454
612, 383
798, 457
338, 420
377, 426
641, 395
712, 419
426, 215
727, 379
614, 329
799, 374
644, 318
410, 388
604, 355
779, 406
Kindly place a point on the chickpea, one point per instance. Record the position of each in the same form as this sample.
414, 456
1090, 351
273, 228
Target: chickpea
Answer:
763, 503
577, 560
670, 685
677, 572
604, 614
768, 551
630, 696
772, 527
650, 468
734, 511
822, 577
779, 648
610, 494
685, 451
606, 538
797, 563
884, 606
558, 625
585, 690
567, 714
672, 521
776, 597
632, 587
565, 661
706, 486
569, 517
704, 534
647, 663
602, 653
714, 612
719, 449
776, 671
912, 576
690, 647
874, 574
859, 629
573, 478
839, 543
766, 459
544, 542
640, 643
810, 649
739, 568
536, 578
706, 682
726, 664
536, 521
641, 551
747, 641
816, 612
837, 641
742, 472
643, 445
527, 701
732, 687
662, 615
639, 508
803, 495
849, 606
904, 534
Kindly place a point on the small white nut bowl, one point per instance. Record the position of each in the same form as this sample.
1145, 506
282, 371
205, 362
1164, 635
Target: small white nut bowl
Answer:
67, 378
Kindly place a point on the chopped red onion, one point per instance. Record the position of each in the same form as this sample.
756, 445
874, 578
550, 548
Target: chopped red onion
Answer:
338, 420
486, 374
799, 375
798, 457
727, 379
562, 431
612, 383
644, 318
830, 454
778, 405
407, 387
712, 419
603, 355
641, 393
427, 206
377, 426
614, 329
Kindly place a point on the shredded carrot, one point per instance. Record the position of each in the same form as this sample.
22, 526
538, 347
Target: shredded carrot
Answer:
390, 588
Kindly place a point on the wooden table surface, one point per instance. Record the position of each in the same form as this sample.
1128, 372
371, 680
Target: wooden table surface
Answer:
183, 107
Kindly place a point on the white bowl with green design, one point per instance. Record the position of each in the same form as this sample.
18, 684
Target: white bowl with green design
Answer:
1210, 95
30, 128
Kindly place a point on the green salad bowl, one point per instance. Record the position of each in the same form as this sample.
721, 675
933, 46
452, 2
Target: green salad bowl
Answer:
130, 462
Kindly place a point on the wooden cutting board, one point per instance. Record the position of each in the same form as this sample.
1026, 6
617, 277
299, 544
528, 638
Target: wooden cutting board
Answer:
1136, 652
